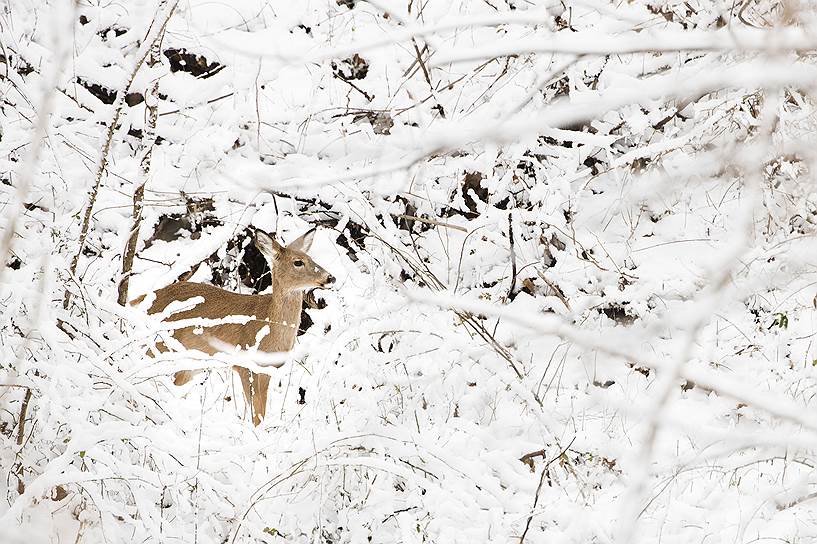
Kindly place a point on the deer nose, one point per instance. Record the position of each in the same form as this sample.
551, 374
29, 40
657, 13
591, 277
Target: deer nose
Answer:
330, 280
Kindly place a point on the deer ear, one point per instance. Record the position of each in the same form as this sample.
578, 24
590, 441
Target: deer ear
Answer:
267, 245
304, 242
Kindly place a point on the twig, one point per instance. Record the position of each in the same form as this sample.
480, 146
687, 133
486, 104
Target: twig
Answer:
21, 435
795, 502
557, 291
429, 221
745, 4
211, 101
410, 71
21, 430
513, 257
422, 64
539, 488
366, 95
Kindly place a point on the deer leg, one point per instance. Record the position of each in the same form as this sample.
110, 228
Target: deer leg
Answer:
247, 385
259, 396
255, 392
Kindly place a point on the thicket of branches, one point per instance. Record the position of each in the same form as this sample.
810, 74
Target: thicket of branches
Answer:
574, 244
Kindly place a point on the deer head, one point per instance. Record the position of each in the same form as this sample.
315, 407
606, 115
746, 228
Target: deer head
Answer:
292, 269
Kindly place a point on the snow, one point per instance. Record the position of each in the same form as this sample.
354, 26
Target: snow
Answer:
634, 363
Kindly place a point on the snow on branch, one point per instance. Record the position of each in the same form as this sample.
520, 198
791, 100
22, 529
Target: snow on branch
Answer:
725, 40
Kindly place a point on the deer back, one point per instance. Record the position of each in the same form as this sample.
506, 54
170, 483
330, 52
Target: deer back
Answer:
199, 301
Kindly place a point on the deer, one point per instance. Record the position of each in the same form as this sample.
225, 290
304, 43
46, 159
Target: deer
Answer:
293, 273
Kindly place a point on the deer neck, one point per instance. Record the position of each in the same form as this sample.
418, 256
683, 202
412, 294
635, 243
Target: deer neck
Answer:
284, 319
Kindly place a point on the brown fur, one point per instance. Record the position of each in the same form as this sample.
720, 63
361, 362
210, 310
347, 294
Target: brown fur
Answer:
281, 310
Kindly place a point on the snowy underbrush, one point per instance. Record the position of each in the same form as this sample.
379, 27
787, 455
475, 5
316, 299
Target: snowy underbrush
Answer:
576, 290
401, 421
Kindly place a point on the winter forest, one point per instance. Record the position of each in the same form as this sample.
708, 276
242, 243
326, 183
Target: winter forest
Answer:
550, 267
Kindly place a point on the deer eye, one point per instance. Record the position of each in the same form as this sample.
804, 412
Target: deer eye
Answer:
298, 263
